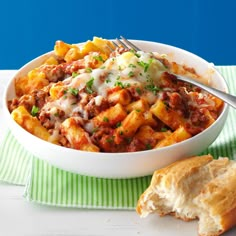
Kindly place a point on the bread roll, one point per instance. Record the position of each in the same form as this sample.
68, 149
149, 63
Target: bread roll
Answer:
194, 188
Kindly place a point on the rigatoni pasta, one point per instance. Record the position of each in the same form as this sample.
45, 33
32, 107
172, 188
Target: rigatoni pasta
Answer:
95, 97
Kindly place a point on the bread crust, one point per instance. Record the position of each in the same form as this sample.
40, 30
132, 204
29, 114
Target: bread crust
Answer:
219, 197
216, 198
228, 220
173, 173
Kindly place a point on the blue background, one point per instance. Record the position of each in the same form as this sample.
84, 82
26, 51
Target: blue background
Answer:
30, 28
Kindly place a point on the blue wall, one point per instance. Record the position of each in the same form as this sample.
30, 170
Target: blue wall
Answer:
30, 28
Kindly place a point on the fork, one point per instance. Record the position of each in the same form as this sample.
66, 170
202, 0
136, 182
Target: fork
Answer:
228, 98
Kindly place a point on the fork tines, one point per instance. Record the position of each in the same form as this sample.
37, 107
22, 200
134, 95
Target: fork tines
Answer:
125, 43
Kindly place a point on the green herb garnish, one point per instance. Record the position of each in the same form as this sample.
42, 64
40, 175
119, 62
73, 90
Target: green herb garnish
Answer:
150, 86
88, 70
34, 110
138, 90
131, 65
122, 85
131, 74
98, 58
95, 130
89, 85
105, 119
148, 146
153, 88
121, 132
164, 129
118, 124
110, 139
119, 84
108, 80
135, 53
145, 65
73, 91
74, 74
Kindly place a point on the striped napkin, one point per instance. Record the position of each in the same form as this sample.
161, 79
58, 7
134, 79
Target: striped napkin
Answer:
15, 161
53, 186
49, 185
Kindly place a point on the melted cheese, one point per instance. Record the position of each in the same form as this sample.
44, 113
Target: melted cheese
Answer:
125, 70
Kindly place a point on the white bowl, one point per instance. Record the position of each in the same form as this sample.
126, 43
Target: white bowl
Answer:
122, 165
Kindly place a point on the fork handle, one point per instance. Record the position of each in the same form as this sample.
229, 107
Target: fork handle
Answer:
228, 98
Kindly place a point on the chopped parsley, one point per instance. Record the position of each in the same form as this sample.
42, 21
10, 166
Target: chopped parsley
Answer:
73, 91
138, 90
89, 85
135, 53
88, 70
110, 139
95, 130
131, 65
98, 58
148, 146
118, 124
131, 74
105, 119
152, 88
164, 129
108, 80
119, 84
121, 132
34, 110
145, 65
127, 85
166, 105
74, 74
122, 85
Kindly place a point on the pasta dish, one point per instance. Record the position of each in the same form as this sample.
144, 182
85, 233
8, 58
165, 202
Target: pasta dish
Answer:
98, 98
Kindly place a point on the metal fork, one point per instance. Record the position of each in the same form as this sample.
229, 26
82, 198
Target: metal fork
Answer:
228, 98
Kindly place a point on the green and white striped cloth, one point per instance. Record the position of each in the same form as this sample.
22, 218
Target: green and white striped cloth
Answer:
49, 185
53, 186
15, 161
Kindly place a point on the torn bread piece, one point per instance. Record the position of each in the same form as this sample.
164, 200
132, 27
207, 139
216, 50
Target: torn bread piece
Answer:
194, 188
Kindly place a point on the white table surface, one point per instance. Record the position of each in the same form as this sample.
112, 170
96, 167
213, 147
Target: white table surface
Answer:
19, 217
